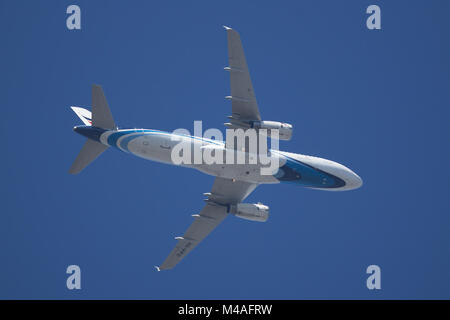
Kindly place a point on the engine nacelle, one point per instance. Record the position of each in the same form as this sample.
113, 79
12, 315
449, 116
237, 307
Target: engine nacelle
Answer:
284, 129
249, 211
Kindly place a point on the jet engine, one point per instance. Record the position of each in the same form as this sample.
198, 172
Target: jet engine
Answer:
284, 129
249, 211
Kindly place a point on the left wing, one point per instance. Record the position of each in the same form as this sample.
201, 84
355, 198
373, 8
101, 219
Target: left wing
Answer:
224, 192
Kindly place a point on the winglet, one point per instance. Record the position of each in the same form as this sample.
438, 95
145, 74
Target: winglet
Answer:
227, 28
157, 268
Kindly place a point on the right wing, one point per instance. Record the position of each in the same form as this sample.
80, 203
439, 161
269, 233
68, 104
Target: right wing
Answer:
243, 100
224, 192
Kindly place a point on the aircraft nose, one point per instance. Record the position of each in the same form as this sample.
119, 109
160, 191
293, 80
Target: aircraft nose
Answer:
354, 181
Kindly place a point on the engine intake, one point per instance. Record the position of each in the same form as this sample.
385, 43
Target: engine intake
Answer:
284, 129
249, 211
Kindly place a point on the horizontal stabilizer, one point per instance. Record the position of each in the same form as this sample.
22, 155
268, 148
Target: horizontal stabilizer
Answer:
90, 151
101, 114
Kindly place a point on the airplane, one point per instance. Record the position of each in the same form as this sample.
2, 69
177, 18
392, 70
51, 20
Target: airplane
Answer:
233, 182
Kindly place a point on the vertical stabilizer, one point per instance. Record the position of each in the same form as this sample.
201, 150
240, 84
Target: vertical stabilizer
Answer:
84, 115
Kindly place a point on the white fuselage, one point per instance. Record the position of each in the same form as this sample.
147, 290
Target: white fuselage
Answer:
300, 169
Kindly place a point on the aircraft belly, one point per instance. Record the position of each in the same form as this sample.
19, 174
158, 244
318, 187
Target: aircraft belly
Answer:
241, 172
150, 147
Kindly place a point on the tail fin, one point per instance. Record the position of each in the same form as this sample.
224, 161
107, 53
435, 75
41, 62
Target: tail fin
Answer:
90, 151
101, 115
84, 114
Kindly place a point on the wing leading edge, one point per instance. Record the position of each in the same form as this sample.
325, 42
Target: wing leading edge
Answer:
224, 192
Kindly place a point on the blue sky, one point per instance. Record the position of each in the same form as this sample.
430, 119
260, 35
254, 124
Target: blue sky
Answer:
376, 101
